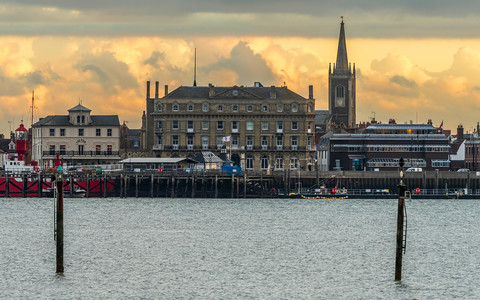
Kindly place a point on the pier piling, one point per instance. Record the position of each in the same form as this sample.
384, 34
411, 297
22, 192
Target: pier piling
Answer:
59, 218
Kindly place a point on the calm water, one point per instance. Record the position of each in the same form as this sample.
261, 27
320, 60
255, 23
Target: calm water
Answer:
239, 249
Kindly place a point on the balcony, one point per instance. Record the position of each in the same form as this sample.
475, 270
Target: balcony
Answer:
264, 147
294, 147
158, 147
175, 147
234, 130
279, 147
81, 153
189, 147
190, 130
279, 130
249, 147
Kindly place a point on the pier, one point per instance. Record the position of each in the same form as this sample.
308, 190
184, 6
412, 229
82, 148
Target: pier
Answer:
217, 184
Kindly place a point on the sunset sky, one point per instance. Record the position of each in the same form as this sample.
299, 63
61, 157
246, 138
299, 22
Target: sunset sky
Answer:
415, 60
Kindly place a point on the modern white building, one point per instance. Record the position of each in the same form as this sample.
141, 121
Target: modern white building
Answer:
78, 138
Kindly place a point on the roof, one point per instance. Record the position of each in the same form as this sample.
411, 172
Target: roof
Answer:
79, 107
153, 160
322, 116
207, 157
342, 60
202, 92
401, 126
62, 120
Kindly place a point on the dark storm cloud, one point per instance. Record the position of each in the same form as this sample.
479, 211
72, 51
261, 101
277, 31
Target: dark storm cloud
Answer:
108, 71
246, 64
310, 18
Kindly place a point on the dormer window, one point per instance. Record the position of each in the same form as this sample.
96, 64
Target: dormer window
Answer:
294, 108
220, 108
175, 107
235, 108
190, 107
78, 119
83, 119
159, 107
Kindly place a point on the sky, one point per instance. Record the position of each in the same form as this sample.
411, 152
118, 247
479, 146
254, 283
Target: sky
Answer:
415, 60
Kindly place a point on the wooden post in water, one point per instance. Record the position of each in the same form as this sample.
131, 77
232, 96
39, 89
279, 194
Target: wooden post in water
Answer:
152, 180
173, 187
216, 186
400, 221
121, 185
59, 223
105, 186
71, 186
24, 185
193, 186
39, 185
244, 185
136, 185
238, 186
233, 186
88, 186
7, 186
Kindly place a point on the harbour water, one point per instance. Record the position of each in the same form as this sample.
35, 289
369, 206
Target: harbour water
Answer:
239, 249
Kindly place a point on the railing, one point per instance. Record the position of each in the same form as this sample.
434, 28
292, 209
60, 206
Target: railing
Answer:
81, 153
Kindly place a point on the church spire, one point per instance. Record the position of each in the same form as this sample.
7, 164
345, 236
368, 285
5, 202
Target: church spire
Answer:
342, 60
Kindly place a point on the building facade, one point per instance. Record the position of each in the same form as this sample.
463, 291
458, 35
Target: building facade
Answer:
342, 87
382, 145
77, 138
258, 128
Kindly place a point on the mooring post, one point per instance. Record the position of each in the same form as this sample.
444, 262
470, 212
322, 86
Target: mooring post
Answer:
136, 185
39, 185
88, 186
400, 221
24, 186
244, 185
238, 186
7, 185
152, 181
233, 186
172, 194
59, 222
193, 186
216, 186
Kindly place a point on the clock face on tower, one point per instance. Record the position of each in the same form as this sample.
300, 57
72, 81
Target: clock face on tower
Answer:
340, 102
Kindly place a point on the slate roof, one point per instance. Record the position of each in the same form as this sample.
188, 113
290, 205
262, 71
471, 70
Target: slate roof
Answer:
79, 108
207, 157
98, 120
202, 92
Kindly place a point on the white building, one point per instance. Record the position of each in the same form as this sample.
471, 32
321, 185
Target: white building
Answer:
77, 138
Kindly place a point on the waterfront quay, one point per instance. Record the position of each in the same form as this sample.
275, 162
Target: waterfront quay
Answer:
217, 184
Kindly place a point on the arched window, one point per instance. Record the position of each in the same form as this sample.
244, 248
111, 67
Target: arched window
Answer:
83, 119
279, 163
294, 107
220, 108
78, 119
190, 107
175, 107
340, 91
249, 162
205, 107
159, 107
264, 161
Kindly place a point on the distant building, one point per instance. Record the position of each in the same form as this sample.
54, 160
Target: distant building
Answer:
78, 138
342, 87
257, 128
382, 146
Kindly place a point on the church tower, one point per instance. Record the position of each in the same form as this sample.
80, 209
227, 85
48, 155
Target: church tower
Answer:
341, 86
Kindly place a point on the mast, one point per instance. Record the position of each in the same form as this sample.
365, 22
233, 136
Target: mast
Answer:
195, 69
33, 105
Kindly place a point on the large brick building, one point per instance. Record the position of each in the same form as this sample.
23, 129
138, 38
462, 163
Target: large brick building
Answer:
258, 128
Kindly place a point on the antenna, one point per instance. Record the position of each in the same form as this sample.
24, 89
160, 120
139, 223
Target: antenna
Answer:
33, 105
195, 69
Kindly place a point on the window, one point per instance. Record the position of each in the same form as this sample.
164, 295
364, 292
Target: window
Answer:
98, 132
265, 125
264, 161
190, 107
249, 142
279, 107
175, 107
265, 108
205, 107
279, 126
109, 149
220, 108
190, 126
234, 141
204, 142
293, 163
78, 119
219, 125
250, 108
159, 107
109, 132
62, 131
294, 107
235, 108
80, 149
264, 142
83, 119
175, 142
98, 149
51, 149
340, 91
294, 142
52, 132
249, 125
294, 125
310, 125
159, 140
175, 125
205, 125
159, 125
220, 142
190, 142
234, 126
279, 163
80, 131
63, 149
279, 142
249, 162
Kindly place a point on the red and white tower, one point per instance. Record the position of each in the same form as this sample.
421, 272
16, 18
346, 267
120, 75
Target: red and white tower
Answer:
21, 141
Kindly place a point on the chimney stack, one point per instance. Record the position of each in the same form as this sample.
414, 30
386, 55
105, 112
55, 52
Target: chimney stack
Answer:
460, 132
310, 92
166, 89
211, 91
148, 89
156, 89
273, 94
